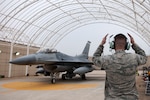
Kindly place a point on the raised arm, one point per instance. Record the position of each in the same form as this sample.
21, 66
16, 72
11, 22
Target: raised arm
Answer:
96, 56
142, 58
135, 47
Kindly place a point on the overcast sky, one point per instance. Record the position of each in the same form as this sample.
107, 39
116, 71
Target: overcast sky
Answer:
74, 42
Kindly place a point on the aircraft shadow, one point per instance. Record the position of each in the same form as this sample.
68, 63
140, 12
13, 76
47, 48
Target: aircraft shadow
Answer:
73, 80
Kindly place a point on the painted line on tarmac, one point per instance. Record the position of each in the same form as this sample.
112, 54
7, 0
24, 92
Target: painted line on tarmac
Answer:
46, 86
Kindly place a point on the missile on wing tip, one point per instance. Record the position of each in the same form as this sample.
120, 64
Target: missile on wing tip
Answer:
24, 60
83, 70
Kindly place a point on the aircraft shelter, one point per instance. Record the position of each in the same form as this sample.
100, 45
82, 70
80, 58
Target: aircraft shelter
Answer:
29, 25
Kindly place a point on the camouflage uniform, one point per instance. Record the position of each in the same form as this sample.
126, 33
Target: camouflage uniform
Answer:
120, 83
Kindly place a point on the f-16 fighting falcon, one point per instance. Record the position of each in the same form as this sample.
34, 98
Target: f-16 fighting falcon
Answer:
54, 62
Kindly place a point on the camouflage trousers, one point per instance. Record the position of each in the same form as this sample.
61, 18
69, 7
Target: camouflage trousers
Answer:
123, 97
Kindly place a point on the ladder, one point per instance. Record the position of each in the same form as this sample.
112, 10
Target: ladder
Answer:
147, 91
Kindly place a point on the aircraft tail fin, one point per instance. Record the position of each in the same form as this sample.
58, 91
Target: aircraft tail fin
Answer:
85, 51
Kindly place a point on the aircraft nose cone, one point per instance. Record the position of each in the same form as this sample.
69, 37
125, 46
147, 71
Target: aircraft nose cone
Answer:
25, 60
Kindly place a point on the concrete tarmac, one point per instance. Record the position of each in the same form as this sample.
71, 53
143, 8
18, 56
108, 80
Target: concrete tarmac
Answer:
40, 88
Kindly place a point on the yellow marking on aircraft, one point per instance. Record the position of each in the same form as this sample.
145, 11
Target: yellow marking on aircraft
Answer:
46, 86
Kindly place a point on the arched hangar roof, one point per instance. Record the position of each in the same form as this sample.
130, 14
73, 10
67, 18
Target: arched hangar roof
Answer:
44, 23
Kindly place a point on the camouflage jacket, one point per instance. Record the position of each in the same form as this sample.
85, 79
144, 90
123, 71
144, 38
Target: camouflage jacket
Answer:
120, 83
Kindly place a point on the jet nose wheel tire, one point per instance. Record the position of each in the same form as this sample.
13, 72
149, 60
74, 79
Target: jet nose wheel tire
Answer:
53, 81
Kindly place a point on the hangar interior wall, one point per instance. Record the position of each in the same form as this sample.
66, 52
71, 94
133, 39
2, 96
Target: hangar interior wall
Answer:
16, 70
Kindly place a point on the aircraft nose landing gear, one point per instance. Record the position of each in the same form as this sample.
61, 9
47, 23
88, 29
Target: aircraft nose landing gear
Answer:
53, 77
53, 80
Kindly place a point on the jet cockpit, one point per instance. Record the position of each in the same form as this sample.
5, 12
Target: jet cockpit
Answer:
47, 51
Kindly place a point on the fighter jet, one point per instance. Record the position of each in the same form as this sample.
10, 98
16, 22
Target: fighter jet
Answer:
54, 62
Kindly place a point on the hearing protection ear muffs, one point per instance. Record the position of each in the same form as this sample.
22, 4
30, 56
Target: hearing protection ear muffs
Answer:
127, 46
112, 45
